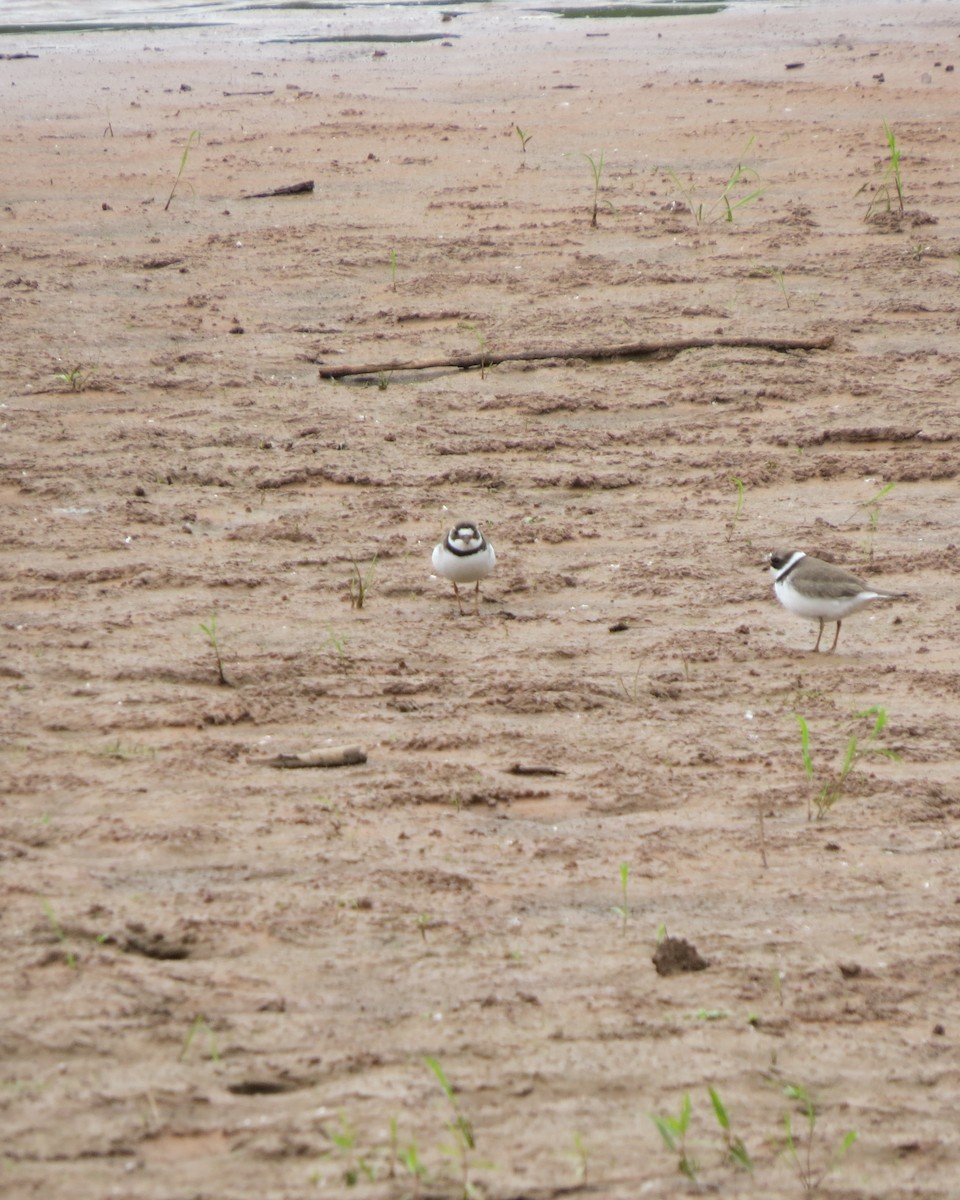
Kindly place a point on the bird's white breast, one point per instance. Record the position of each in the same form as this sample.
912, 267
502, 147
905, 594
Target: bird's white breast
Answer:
464, 568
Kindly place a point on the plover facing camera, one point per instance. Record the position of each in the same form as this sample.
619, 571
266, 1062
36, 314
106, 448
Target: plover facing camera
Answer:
820, 591
464, 556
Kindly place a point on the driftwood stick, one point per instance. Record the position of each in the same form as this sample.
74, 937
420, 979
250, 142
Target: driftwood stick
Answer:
291, 189
624, 350
523, 769
342, 756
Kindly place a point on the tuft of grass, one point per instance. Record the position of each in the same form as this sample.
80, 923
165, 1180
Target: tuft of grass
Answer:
58, 932
415, 1167
763, 833
361, 582
777, 275
337, 643
193, 138
733, 195
832, 788
345, 1140
200, 1022
393, 270
123, 753
582, 1154
890, 188
459, 1126
481, 344
805, 745
394, 1149
736, 1150
76, 379
673, 1130
632, 692
799, 1150
738, 508
213, 638
524, 138
873, 505
623, 909
596, 170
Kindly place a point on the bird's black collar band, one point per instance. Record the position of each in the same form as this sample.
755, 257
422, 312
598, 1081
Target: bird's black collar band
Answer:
461, 553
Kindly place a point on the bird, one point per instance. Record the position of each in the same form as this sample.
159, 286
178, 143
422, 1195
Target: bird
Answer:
820, 591
464, 556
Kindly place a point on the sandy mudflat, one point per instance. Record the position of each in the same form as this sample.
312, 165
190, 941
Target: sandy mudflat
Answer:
320, 931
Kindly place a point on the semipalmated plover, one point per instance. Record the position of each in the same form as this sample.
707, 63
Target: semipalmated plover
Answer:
820, 591
464, 556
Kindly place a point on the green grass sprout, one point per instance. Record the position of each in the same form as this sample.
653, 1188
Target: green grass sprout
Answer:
632, 693
673, 1130
873, 505
799, 1150
200, 1022
623, 909
345, 1140
596, 170
337, 642
736, 1150
776, 274
459, 1126
582, 1154
213, 638
890, 187
194, 137
76, 378
832, 787
361, 583
732, 195
58, 932
481, 344
738, 509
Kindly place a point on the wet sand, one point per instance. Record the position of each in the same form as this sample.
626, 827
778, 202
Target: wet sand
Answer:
221, 977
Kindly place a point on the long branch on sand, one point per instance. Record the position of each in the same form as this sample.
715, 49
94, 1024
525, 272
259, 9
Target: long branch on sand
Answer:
624, 350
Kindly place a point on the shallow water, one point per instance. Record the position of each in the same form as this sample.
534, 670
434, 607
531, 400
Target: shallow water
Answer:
304, 18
